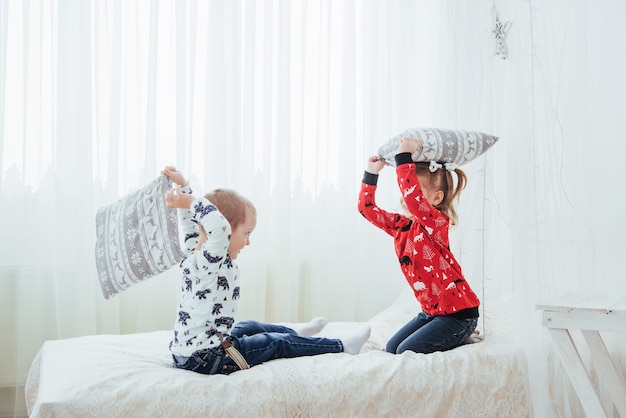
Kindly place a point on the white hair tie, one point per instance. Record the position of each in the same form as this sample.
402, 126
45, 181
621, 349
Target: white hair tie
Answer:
434, 166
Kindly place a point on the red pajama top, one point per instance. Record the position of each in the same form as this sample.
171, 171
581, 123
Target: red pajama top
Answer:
421, 244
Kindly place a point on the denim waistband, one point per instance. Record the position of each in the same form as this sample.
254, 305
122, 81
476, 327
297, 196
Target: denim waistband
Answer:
207, 359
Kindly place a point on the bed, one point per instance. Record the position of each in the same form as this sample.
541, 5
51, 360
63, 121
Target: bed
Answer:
132, 376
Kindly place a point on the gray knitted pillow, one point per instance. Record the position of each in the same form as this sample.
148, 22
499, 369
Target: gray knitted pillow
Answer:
136, 238
441, 145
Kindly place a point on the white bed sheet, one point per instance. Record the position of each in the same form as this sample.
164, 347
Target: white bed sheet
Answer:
132, 376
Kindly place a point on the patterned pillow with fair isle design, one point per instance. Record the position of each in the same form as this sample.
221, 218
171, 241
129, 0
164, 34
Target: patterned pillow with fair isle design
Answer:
136, 238
440, 145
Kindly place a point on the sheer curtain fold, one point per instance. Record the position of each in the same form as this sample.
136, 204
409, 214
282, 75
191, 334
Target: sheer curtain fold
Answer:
284, 101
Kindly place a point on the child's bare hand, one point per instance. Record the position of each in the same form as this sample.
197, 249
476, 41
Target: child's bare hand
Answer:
408, 144
176, 176
375, 165
177, 199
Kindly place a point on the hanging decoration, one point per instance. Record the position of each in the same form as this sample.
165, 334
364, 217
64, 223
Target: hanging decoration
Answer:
500, 30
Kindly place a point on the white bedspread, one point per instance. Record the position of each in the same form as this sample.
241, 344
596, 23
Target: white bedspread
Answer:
132, 376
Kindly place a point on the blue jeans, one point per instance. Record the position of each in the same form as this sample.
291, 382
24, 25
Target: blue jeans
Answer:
428, 333
257, 342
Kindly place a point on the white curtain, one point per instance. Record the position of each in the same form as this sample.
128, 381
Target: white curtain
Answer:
284, 101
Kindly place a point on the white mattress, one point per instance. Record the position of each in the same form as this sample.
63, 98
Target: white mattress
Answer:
132, 376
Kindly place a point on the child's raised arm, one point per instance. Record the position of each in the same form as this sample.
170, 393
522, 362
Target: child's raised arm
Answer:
375, 165
181, 198
175, 198
408, 144
174, 174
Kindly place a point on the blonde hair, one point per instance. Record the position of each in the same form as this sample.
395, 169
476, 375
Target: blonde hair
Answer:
232, 205
441, 179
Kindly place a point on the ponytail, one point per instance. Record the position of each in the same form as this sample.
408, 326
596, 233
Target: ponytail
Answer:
441, 179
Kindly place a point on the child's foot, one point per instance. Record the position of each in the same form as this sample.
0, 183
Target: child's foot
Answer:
474, 338
311, 328
353, 344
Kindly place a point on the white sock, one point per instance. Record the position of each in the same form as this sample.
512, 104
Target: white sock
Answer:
312, 327
353, 344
